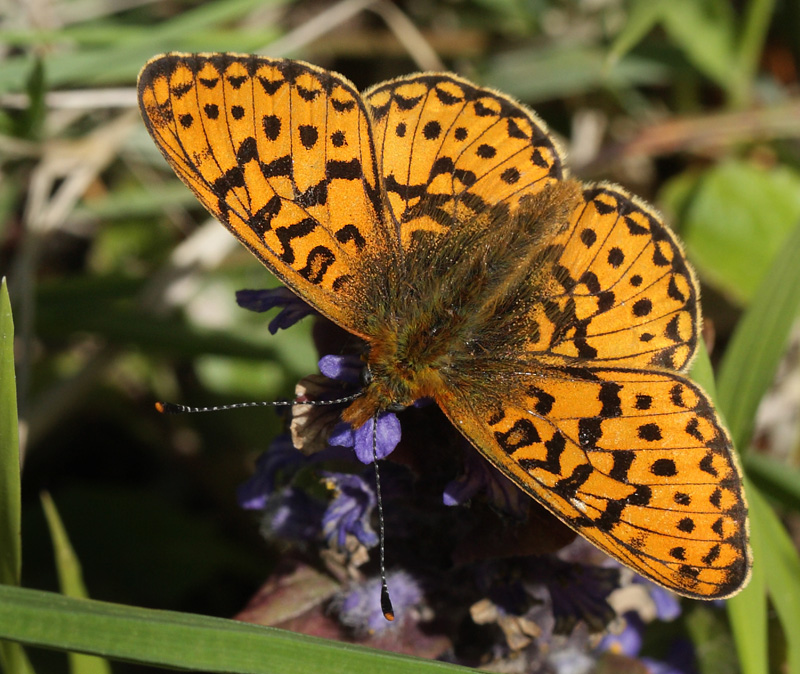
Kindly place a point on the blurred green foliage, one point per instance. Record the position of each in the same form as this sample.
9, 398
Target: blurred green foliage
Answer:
123, 295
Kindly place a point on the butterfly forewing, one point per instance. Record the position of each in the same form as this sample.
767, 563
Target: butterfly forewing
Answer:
636, 461
449, 151
281, 153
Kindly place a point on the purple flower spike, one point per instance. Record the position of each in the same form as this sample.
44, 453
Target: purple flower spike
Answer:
629, 641
293, 515
350, 511
292, 307
578, 592
281, 457
387, 437
667, 604
360, 608
479, 476
346, 369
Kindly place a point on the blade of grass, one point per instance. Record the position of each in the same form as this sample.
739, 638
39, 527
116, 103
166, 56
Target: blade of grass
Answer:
747, 611
186, 640
750, 49
642, 18
10, 550
12, 657
745, 374
779, 481
70, 578
779, 555
749, 363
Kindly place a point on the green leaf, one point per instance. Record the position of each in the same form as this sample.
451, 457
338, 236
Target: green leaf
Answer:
736, 220
70, 578
713, 644
748, 366
747, 611
704, 30
545, 74
746, 371
10, 543
749, 50
642, 17
123, 49
186, 640
781, 482
12, 657
781, 567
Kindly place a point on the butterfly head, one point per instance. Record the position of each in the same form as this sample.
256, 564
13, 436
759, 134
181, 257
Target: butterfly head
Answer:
402, 366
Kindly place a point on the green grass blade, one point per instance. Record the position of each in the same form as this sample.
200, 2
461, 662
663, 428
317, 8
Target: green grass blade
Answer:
745, 374
185, 640
12, 657
70, 578
10, 544
643, 15
747, 611
780, 481
749, 364
781, 566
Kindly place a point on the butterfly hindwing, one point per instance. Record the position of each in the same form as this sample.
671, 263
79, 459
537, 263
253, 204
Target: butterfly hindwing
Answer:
636, 461
625, 295
281, 153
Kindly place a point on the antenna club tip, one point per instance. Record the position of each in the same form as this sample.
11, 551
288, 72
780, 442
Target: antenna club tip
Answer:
386, 604
167, 408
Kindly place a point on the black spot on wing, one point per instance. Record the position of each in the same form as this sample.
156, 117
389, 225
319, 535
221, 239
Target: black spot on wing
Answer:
350, 233
296, 231
522, 434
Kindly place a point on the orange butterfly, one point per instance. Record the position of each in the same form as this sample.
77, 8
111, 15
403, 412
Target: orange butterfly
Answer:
551, 321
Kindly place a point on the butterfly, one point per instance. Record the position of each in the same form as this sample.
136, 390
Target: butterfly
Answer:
551, 321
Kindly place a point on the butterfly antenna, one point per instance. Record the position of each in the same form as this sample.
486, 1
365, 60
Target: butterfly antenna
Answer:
174, 408
386, 602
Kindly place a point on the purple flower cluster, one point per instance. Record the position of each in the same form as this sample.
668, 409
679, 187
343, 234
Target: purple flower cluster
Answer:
459, 538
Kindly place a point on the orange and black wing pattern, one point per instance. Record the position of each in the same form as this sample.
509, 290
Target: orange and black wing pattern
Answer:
281, 153
636, 461
623, 293
449, 151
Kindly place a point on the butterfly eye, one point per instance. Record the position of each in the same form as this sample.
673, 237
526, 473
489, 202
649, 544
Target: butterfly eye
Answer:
366, 376
395, 407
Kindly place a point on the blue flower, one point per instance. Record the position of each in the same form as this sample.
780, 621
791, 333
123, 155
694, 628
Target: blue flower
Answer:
350, 510
668, 606
292, 307
346, 369
629, 641
360, 606
479, 476
386, 437
281, 459
294, 515
578, 592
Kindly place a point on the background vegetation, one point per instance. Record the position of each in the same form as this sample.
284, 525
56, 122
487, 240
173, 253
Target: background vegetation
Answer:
122, 293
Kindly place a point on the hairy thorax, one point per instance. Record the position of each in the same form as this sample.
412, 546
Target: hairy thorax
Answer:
404, 364
458, 300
